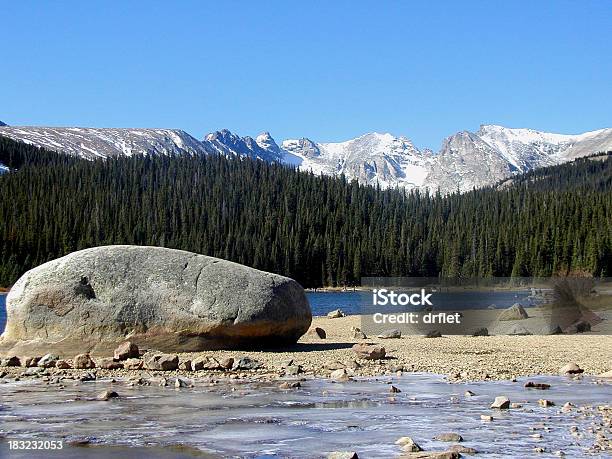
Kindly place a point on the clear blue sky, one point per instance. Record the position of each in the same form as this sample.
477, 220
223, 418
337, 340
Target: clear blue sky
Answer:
325, 70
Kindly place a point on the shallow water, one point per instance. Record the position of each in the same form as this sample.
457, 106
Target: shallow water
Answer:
247, 419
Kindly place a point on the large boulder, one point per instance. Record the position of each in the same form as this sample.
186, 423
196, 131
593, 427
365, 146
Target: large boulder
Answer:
157, 298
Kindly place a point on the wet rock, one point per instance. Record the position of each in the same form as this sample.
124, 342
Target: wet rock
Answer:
432, 455
109, 364
340, 375
335, 314
369, 351
180, 383
162, 362
534, 385
88, 377
539, 449
462, 449
469, 393
571, 369
394, 390
185, 365
568, 407
127, 350
545, 403
481, 332
408, 444
3, 374
516, 406
32, 361
62, 365
433, 334
133, 364
48, 361
83, 361
163, 382
290, 385
12, 361
343, 455
501, 403
246, 363
514, 312
486, 417
449, 436
107, 395
390, 334
317, 332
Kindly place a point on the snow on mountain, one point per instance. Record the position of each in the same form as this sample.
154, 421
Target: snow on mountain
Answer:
93, 143
465, 160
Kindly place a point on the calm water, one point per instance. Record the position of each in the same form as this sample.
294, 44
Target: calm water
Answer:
350, 302
248, 419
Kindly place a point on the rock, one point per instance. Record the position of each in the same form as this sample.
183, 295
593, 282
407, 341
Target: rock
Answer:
47, 361
433, 334
580, 326
108, 364
127, 350
133, 364
340, 375
107, 395
179, 383
481, 332
290, 385
88, 377
369, 351
462, 449
449, 436
83, 361
431, 455
227, 363
501, 403
533, 385
185, 365
162, 362
514, 312
515, 406
12, 361
408, 444
343, 455
246, 363
390, 334
32, 371
163, 382
32, 361
62, 365
551, 329
198, 363
357, 333
317, 332
294, 370
394, 390
486, 417
335, 314
518, 330
567, 407
166, 299
545, 403
469, 393
571, 369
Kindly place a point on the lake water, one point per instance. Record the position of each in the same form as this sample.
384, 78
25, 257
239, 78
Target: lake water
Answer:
351, 302
248, 419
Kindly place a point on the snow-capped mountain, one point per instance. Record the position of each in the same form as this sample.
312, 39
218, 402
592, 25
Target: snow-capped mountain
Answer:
466, 159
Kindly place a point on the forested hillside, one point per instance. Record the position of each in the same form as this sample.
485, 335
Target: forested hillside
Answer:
318, 230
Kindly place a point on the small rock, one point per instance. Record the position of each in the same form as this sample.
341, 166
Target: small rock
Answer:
390, 334
32, 371
518, 330
339, 375
185, 365
162, 362
83, 361
501, 403
408, 444
514, 312
12, 361
163, 382
433, 334
294, 370
107, 395
358, 334
335, 314
246, 363
48, 361
127, 350
486, 417
290, 385
227, 363
109, 364
317, 332
179, 383
88, 377
469, 393
32, 361
568, 407
198, 363
133, 364
481, 332
449, 436
369, 351
545, 403
343, 455
62, 365
539, 449
462, 449
533, 385
394, 390
571, 369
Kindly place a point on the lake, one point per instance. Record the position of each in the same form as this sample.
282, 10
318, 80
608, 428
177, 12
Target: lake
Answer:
351, 302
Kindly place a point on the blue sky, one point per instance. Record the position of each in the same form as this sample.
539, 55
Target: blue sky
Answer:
324, 70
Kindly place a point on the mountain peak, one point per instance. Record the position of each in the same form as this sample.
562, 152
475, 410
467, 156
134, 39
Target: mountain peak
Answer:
3, 124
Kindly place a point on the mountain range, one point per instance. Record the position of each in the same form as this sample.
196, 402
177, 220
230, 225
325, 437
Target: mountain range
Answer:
466, 159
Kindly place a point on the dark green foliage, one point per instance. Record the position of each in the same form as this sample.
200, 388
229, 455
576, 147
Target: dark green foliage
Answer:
318, 230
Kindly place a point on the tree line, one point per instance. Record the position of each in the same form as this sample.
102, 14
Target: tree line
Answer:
322, 231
